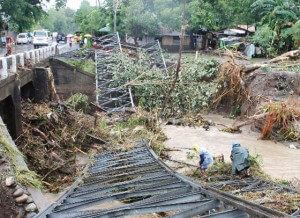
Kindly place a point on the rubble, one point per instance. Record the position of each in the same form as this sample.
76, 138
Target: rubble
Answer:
53, 135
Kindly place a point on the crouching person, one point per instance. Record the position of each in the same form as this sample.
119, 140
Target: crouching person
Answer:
240, 160
206, 160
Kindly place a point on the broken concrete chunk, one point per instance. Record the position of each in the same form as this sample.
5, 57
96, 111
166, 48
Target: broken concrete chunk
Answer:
18, 192
10, 181
23, 198
31, 207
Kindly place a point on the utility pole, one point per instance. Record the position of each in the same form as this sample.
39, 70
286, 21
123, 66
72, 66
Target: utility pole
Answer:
116, 4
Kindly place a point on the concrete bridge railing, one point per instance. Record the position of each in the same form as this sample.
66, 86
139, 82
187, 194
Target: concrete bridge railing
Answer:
11, 63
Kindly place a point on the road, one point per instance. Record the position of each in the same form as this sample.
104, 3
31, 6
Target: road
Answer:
21, 48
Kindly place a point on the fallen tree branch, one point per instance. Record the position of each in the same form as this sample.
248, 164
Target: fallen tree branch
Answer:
283, 57
249, 121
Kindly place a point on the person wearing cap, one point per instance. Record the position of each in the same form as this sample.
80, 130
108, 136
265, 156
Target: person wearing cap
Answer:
240, 160
206, 159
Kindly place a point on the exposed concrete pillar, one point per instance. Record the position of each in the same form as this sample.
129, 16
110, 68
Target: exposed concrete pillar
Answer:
41, 84
3, 71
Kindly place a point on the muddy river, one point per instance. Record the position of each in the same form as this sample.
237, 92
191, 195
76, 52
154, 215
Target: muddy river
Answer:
278, 160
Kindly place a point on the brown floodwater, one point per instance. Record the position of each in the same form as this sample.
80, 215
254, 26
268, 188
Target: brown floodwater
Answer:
279, 161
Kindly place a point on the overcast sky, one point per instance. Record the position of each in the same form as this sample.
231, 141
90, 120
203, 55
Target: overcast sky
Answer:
74, 4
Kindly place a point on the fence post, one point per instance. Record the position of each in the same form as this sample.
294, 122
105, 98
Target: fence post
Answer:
3, 71
13, 67
22, 59
37, 56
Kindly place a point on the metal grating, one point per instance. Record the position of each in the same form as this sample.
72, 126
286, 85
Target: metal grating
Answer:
136, 182
110, 99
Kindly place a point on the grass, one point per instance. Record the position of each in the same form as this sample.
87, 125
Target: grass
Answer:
23, 174
139, 126
87, 65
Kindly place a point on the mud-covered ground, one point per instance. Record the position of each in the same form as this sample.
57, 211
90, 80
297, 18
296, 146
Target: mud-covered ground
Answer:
8, 206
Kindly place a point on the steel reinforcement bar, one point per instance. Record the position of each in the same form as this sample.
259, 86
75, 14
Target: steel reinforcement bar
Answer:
137, 182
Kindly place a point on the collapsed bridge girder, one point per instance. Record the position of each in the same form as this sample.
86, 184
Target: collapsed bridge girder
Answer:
137, 182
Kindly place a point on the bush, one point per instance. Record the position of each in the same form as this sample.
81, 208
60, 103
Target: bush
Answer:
78, 102
263, 37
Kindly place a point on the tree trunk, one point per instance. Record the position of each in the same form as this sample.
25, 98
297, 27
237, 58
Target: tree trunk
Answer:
179, 58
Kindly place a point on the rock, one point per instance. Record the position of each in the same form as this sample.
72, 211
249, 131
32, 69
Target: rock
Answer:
10, 181
18, 192
31, 207
29, 200
30, 215
291, 146
22, 199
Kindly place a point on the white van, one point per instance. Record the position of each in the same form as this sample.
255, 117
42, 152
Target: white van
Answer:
22, 38
41, 38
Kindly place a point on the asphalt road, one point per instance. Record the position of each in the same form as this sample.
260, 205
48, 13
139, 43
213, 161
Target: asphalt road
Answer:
21, 48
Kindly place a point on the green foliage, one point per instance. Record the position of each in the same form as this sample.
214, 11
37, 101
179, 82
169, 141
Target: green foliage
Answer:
90, 19
279, 16
65, 23
87, 65
21, 15
78, 102
295, 32
264, 38
194, 90
139, 21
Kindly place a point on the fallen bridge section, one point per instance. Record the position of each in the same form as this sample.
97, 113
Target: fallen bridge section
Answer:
136, 182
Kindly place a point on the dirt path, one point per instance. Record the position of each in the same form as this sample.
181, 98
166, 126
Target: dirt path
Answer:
278, 161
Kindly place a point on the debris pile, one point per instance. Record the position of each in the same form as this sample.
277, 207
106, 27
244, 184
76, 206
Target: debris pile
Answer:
194, 90
52, 136
280, 120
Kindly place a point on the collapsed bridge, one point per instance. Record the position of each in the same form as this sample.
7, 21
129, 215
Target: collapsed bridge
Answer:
136, 182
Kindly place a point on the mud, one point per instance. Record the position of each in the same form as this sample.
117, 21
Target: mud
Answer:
8, 207
279, 161
265, 85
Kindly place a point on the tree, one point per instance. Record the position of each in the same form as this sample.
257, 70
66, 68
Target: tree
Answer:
20, 15
139, 21
168, 13
90, 19
280, 16
58, 21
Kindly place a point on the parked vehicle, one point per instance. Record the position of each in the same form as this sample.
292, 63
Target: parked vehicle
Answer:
41, 38
61, 37
22, 38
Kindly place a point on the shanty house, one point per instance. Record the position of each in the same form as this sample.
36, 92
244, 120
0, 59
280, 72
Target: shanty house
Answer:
170, 40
